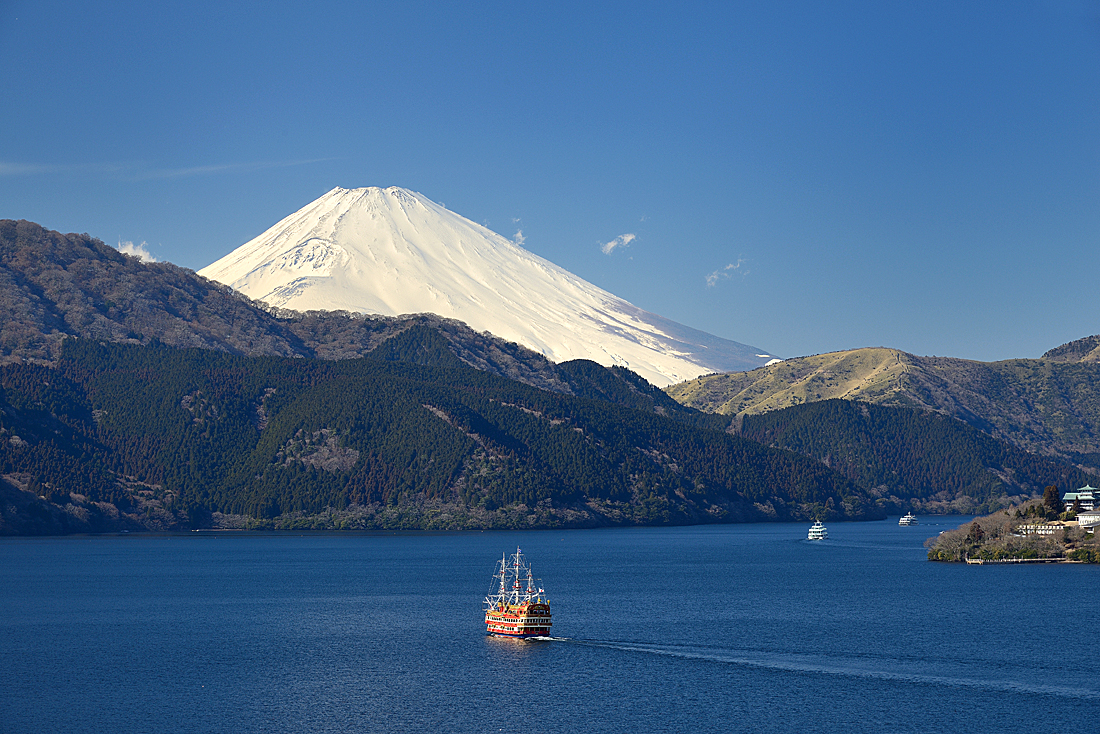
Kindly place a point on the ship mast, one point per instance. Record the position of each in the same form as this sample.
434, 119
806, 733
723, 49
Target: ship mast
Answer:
516, 565
493, 601
530, 586
511, 591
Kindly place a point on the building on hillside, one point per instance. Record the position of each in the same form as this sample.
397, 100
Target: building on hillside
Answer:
1044, 528
1087, 496
1089, 519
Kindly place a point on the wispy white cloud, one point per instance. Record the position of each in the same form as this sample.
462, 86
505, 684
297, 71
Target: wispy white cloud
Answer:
519, 239
23, 169
141, 252
150, 174
622, 240
169, 173
726, 272
142, 171
10, 168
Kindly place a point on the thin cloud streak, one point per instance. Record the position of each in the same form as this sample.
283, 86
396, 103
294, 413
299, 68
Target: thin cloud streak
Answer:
8, 168
24, 169
141, 172
169, 173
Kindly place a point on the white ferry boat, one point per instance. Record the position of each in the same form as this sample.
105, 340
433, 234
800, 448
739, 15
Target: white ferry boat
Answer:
817, 532
908, 519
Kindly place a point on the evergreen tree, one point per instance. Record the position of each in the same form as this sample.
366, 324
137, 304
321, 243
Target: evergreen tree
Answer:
1053, 500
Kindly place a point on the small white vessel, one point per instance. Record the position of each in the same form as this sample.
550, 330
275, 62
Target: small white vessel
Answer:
908, 519
817, 532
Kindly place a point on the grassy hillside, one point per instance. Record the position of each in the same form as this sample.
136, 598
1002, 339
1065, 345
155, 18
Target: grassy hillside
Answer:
1081, 350
1045, 406
871, 375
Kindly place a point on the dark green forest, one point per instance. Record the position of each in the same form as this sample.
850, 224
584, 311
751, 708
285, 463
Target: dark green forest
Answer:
202, 434
912, 459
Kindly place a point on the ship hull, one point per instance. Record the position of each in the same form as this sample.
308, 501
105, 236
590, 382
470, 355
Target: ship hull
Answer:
519, 636
519, 622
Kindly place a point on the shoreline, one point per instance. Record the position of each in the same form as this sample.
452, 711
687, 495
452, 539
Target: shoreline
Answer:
984, 561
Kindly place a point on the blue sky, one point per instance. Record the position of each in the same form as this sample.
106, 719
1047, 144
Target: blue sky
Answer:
802, 177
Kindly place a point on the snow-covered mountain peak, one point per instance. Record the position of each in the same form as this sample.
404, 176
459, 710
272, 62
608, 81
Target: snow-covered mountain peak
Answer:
392, 251
377, 197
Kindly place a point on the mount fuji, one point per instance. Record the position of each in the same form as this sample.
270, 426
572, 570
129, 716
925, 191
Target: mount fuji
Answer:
393, 251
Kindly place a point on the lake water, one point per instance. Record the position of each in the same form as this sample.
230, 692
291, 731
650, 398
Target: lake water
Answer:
701, 629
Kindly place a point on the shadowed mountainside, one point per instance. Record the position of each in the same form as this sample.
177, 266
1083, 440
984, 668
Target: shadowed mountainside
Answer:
130, 436
911, 459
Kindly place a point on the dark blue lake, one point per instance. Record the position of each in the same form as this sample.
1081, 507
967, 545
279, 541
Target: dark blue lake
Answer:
715, 628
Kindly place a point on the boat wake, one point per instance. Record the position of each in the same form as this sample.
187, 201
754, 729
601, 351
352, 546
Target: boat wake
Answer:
874, 668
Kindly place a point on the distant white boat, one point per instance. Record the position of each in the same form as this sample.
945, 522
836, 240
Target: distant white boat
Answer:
817, 532
908, 519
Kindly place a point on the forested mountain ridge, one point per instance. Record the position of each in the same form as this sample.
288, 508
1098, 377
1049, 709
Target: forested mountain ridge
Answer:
125, 436
1048, 406
911, 459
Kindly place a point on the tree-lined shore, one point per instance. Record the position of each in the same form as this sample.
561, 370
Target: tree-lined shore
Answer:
1038, 530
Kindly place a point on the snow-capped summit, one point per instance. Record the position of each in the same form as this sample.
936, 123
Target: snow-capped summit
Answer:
393, 251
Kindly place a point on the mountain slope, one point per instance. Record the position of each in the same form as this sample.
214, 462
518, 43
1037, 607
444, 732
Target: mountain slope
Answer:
911, 459
393, 251
1080, 350
1041, 405
60, 285
55, 285
871, 375
124, 435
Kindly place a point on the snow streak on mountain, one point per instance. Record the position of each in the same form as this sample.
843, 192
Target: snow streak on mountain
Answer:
393, 251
